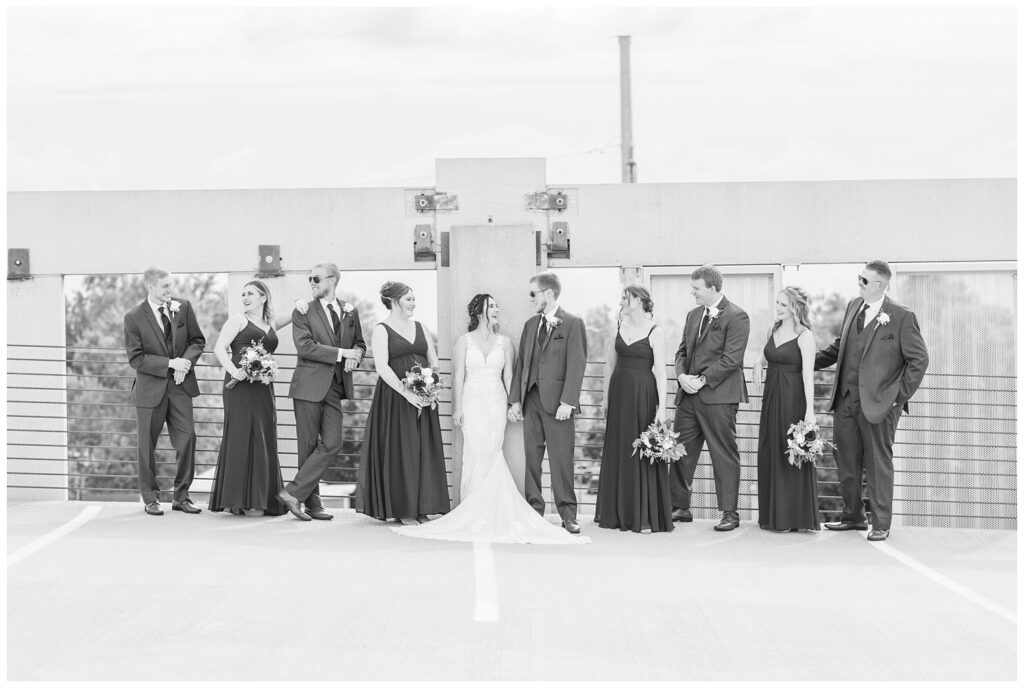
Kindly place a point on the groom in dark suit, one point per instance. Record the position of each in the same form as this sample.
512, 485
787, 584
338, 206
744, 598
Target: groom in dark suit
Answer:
546, 382
709, 367
880, 359
163, 342
329, 343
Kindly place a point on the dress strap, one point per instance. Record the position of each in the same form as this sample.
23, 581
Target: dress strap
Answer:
653, 327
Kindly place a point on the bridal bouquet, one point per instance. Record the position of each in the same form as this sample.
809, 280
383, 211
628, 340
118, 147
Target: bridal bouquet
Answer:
805, 443
658, 443
425, 384
257, 364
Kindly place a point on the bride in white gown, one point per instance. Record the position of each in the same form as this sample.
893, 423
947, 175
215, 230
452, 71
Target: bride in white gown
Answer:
492, 508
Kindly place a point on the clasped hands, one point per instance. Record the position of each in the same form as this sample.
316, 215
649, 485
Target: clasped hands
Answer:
180, 366
515, 412
691, 384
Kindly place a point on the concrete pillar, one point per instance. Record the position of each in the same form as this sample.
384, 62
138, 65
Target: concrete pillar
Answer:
37, 390
493, 250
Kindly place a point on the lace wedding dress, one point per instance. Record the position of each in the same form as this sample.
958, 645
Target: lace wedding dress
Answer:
492, 509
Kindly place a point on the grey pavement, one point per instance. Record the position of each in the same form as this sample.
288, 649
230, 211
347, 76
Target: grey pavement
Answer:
222, 597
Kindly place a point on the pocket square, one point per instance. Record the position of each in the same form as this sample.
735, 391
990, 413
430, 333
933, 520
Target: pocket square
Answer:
181, 323
558, 336
888, 336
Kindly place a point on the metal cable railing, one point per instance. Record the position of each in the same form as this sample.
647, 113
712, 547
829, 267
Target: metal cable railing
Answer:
71, 430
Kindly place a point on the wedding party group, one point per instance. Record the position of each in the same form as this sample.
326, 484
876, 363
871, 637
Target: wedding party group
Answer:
647, 464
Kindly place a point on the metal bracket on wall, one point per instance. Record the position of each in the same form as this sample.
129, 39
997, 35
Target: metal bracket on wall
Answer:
423, 243
547, 200
17, 264
438, 202
270, 261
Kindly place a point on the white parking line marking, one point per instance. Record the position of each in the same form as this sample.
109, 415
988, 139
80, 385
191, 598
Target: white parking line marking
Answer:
953, 586
486, 607
36, 545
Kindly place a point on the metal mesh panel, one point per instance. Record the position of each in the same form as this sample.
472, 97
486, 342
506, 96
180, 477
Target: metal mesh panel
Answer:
955, 453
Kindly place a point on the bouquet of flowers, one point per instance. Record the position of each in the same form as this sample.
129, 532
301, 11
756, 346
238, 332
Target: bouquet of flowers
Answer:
658, 443
805, 443
257, 364
424, 383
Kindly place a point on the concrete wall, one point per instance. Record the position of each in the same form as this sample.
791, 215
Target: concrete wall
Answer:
611, 225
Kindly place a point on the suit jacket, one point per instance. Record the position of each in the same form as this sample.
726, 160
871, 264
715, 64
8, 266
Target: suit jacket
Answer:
148, 354
314, 340
893, 364
563, 361
717, 354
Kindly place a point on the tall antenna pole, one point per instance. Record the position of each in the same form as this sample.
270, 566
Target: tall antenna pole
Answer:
628, 164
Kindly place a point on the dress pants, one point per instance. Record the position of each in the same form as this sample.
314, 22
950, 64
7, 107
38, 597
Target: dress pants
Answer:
540, 428
175, 409
697, 422
863, 446
318, 430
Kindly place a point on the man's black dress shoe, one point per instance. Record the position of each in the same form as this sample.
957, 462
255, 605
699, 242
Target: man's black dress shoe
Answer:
684, 515
572, 526
153, 509
292, 505
730, 521
877, 534
319, 515
187, 507
846, 525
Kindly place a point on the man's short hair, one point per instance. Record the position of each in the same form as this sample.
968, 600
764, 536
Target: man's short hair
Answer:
153, 274
548, 280
880, 267
710, 274
331, 269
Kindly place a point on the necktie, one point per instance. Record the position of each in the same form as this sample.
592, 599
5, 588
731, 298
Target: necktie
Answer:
543, 331
336, 324
165, 320
704, 323
861, 317
335, 320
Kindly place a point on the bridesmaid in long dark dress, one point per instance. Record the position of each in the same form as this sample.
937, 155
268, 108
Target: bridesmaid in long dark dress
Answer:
787, 496
248, 474
401, 464
632, 493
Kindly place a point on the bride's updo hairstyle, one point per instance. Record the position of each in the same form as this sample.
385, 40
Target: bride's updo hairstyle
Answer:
639, 291
390, 292
477, 310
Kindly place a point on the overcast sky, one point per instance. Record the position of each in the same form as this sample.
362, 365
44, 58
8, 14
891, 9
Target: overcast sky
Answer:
268, 98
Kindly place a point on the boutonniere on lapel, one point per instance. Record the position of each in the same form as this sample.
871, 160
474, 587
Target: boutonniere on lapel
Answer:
347, 308
713, 313
882, 318
553, 321
175, 306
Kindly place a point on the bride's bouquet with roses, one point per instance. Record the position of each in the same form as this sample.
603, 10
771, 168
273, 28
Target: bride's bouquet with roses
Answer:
805, 443
425, 384
658, 443
257, 364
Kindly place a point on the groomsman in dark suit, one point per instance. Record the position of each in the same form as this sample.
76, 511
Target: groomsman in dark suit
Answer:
546, 382
329, 342
163, 342
880, 359
709, 367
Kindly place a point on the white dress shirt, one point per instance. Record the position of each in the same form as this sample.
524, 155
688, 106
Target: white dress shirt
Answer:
158, 311
872, 310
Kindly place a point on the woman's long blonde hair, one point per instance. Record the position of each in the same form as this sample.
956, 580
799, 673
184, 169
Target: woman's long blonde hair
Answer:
799, 301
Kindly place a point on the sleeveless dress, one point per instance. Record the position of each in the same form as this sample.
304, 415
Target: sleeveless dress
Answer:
248, 471
787, 496
492, 509
632, 493
401, 463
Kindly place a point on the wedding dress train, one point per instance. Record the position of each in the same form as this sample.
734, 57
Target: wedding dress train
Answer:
492, 508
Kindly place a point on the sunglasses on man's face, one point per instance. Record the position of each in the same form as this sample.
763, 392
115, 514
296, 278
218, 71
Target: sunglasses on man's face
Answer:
535, 294
864, 281
316, 279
